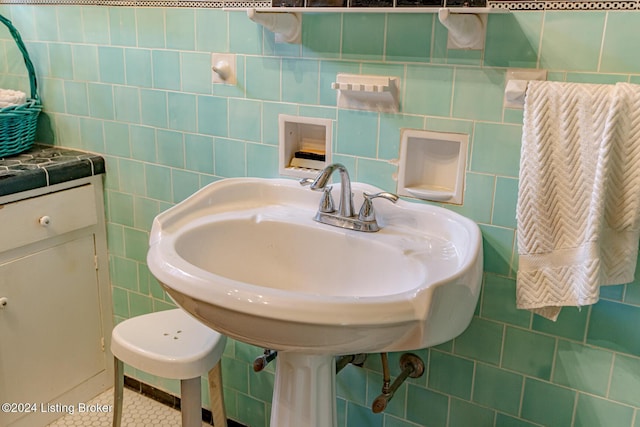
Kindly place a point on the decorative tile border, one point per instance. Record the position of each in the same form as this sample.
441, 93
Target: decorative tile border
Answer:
419, 6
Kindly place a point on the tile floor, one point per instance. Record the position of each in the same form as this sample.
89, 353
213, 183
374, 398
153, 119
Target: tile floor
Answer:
138, 411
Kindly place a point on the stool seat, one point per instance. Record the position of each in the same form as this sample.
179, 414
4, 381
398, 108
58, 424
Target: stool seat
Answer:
169, 344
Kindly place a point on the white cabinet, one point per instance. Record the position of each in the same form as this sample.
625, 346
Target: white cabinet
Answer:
56, 320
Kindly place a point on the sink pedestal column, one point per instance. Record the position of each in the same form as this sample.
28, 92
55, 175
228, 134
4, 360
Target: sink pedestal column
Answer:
304, 391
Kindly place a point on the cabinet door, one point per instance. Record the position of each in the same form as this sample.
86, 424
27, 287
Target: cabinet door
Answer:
50, 329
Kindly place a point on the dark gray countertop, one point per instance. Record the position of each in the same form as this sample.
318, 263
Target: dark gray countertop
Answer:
45, 165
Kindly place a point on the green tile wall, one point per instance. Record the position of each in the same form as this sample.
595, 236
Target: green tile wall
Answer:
133, 84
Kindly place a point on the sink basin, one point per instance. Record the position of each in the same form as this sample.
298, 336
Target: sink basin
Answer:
246, 258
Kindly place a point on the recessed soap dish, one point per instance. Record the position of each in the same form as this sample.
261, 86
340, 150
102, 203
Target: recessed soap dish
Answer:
305, 145
432, 165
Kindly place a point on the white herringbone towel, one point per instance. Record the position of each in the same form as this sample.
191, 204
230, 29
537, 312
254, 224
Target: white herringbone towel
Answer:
579, 193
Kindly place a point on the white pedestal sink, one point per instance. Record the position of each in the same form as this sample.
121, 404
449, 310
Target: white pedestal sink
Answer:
245, 257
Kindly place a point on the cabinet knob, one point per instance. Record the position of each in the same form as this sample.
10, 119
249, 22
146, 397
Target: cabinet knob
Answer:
3, 302
45, 221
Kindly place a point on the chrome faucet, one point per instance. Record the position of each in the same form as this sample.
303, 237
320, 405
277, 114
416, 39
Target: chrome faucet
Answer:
344, 217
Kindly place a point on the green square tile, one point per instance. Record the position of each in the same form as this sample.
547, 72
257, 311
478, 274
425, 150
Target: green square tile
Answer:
182, 111
622, 35
512, 39
136, 244
503, 420
253, 411
124, 273
389, 135
357, 133
512, 115
561, 50
122, 26
571, 323
145, 210
212, 115
92, 135
212, 30
120, 208
351, 384
262, 160
126, 101
39, 54
95, 24
465, 414
184, 184
478, 195
245, 36
609, 327
321, 35
528, 352
67, 131
595, 78
70, 24
111, 64
198, 151
472, 85
263, 78
482, 340
378, 173
229, 158
496, 149
117, 139
151, 27
245, 119
300, 81
52, 94
120, 302
363, 36
504, 205
180, 28
139, 304
547, 404
143, 143
262, 385
62, 67
428, 90
196, 72
85, 63
166, 69
76, 98
497, 247
625, 382
153, 107
46, 24
505, 397
157, 178
450, 374
582, 368
409, 37
131, 174
432, 410
499, 301
273, 48
170, 148
592, 411
138, 67
358, 415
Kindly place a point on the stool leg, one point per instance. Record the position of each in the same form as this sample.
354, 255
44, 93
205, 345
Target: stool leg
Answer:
118, 391
191, 402
216, 397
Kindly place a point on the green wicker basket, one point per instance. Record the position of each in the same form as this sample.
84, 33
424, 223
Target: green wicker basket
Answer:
18, 123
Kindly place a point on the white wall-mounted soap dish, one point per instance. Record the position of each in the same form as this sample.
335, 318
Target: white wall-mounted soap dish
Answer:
364, 92
432, 165
305, 145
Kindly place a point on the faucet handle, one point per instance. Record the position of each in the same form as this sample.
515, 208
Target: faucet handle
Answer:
366, 211
326, 203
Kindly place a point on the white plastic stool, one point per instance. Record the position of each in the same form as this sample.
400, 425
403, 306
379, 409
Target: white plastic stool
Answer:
171, 344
